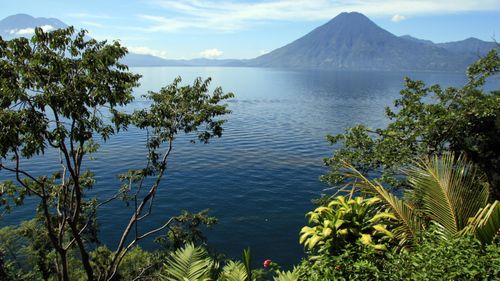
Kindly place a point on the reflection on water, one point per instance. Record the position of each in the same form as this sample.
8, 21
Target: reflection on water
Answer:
259, 178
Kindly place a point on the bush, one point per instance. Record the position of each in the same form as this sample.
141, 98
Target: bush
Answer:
461, 258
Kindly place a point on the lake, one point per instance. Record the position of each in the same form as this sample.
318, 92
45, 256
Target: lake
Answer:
259, 178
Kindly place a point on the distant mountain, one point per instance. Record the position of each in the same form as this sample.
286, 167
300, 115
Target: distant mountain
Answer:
352, 41
471, 46
212, 62
132, 59
348, 41
414, 39
22, 25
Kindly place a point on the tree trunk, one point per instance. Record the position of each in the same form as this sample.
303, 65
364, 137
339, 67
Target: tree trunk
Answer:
64, 266
83, 252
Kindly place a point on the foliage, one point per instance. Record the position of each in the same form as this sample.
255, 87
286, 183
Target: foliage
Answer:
410, 221
485, 225
194, 263
62, 91
428, 121
287, 275
354, 263
52, 89
189, 263
234, 271
136, 264
459, 258
247, 262
447, 190
27, 251
346, 222
186, 228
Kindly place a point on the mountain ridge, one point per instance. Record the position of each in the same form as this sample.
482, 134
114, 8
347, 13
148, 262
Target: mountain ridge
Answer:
349, 41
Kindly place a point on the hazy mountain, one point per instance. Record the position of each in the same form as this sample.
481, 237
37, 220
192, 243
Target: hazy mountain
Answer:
352, 41
212, 62
148, 60
22, 25
471, 46
348, 41
414, 39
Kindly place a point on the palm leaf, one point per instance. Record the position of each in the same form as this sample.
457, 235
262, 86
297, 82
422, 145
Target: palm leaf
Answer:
247, 262
451, 190
188, 264
410, 223
234, 271
287, 275
485, 225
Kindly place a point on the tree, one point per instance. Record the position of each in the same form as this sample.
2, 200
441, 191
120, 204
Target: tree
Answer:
62, 91
186, 228
429, 121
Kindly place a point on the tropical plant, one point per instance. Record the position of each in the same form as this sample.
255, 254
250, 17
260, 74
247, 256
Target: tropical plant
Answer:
410, 223
485, 225
353, 263
234, 271
190, 263
457, 258
292, 275
193, 263
432, 258
247, 262
347, 221
447, 190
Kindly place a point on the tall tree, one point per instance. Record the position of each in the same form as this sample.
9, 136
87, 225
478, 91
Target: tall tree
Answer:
62, 91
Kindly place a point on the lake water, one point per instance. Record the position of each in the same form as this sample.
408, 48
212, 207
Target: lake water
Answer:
259, 178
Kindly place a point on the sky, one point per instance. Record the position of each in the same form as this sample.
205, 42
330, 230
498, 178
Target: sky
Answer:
186, 29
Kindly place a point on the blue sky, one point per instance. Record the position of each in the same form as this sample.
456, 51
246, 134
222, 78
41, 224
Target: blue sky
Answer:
246, 29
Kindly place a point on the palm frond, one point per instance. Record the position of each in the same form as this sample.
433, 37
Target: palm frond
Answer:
247, 262
451, 189
188, 264
485, 225
411, 223
287, 275
234, 271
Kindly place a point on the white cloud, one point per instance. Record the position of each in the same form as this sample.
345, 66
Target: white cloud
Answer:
398, 18
25, 31
46, 27
148, 51
231, 15
211, 53
30, 30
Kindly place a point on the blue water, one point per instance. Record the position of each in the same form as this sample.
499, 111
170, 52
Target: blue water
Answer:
259, 178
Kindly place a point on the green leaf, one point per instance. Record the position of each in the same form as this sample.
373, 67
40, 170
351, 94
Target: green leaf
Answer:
365, 239
189, 263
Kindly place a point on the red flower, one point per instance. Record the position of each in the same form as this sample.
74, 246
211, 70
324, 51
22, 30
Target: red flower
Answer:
267, 263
